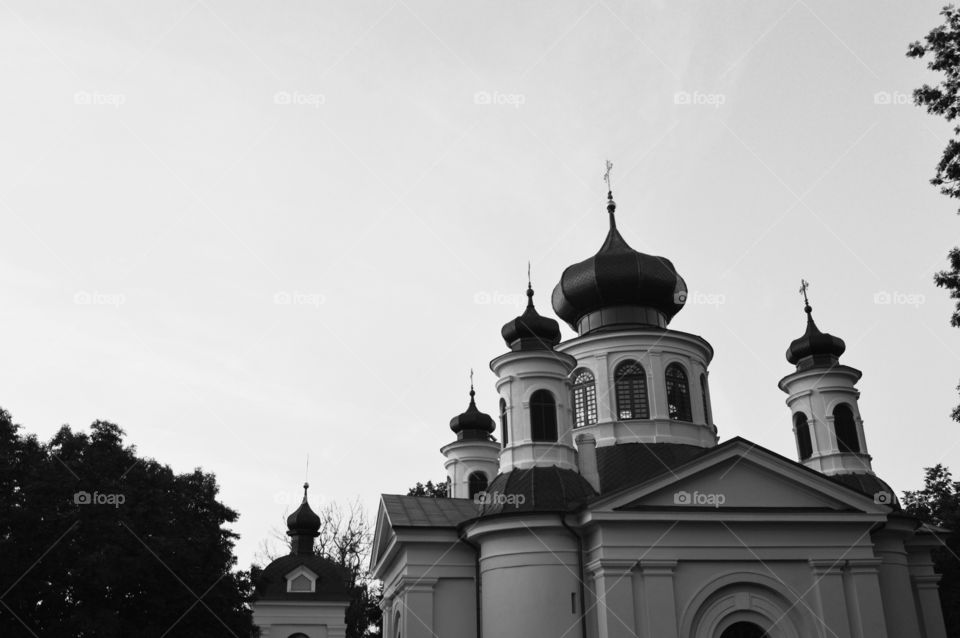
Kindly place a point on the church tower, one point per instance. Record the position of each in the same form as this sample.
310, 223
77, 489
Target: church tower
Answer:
636, 380
822, 397
472, 459
534, 386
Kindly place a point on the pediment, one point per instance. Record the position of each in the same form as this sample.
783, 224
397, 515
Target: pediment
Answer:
738, 476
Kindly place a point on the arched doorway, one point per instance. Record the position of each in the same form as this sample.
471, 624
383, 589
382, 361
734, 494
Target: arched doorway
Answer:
743, 630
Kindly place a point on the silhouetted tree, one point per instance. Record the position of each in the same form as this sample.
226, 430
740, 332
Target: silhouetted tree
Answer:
938, 503
942, 45
436, 491
97, 541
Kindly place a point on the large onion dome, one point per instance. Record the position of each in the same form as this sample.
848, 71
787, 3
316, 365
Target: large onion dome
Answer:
531, 330
814, 347
472, 424
618, 286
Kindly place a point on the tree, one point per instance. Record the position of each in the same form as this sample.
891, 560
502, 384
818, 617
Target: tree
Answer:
98, 541
938, 503
345, 538
435, 491
942, 44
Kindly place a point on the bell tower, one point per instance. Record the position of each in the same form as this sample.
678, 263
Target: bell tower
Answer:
472, 459
822, 397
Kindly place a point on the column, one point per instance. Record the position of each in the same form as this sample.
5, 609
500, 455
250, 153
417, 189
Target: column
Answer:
928, 600
659, 605
864, 603
831, 604
895, 587
613, 582
417, 614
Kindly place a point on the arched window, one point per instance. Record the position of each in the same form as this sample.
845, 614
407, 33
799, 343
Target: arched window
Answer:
846, 429
543, 416
503, 421
476, 482
678, 393
584, 399
804, 446
298, 635
630, 382
743, 629
703, 397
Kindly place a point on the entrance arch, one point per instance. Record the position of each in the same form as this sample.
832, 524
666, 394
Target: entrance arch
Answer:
744, 629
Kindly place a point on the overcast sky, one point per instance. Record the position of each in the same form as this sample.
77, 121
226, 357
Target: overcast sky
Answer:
252, 231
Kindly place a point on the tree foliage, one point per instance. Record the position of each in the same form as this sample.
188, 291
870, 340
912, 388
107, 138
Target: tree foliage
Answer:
97, 541
438, 490
941, 49
346, 538
938, 503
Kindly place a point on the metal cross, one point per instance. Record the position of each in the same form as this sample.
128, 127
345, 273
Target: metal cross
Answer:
606, 176
804, 284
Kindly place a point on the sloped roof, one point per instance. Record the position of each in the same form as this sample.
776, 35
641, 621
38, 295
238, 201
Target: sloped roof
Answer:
331, 579
536, 489
426, 511
627, 464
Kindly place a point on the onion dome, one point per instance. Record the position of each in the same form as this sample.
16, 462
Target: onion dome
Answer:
618, 286
536, 489
303, 526
472, 424
814, 348
531, 330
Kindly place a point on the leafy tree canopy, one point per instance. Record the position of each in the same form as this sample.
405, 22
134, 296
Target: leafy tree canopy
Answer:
438, 490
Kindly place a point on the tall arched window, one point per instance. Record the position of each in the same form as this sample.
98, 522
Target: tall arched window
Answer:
630, 382
503, 421
678, 393
703, 397
476, 482
584, 399
804, 446
846, 429
543, 416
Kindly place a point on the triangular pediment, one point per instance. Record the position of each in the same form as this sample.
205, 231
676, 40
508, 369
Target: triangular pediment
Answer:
738, 476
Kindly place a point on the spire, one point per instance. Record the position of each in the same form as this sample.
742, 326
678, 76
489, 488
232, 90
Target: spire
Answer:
814, 348
531, 331
611, 205
472, 423
303, 526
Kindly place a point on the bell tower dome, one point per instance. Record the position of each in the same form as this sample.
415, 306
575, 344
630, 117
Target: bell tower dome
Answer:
822, 397
472, 459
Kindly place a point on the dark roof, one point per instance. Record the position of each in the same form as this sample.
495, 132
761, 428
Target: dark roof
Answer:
331, 579
869, 485
472, 424
814, 347
627, 464
536, 489
633, 287
426, 511
531, 331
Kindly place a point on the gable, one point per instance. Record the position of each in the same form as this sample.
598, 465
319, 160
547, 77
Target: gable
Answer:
738, 476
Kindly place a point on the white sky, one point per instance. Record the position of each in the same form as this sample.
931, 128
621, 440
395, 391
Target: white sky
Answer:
149, 170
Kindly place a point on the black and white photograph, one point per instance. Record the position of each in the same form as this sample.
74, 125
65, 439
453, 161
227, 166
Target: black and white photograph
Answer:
480, 319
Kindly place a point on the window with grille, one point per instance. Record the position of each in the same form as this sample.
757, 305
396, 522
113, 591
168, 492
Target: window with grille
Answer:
804, 445
846, 429
678, 393
584, 399
630, 383
543, 416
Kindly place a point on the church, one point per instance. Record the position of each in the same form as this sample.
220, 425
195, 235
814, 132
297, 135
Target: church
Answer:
600, 503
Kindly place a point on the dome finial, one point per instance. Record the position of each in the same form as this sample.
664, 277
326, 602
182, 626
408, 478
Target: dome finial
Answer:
306, 486
529, 288
472, 393
611, 205
804, 284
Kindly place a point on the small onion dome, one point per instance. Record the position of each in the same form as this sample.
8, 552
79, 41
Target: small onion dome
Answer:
618, 286
472, 424
304, 521
814, 347
531, 330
